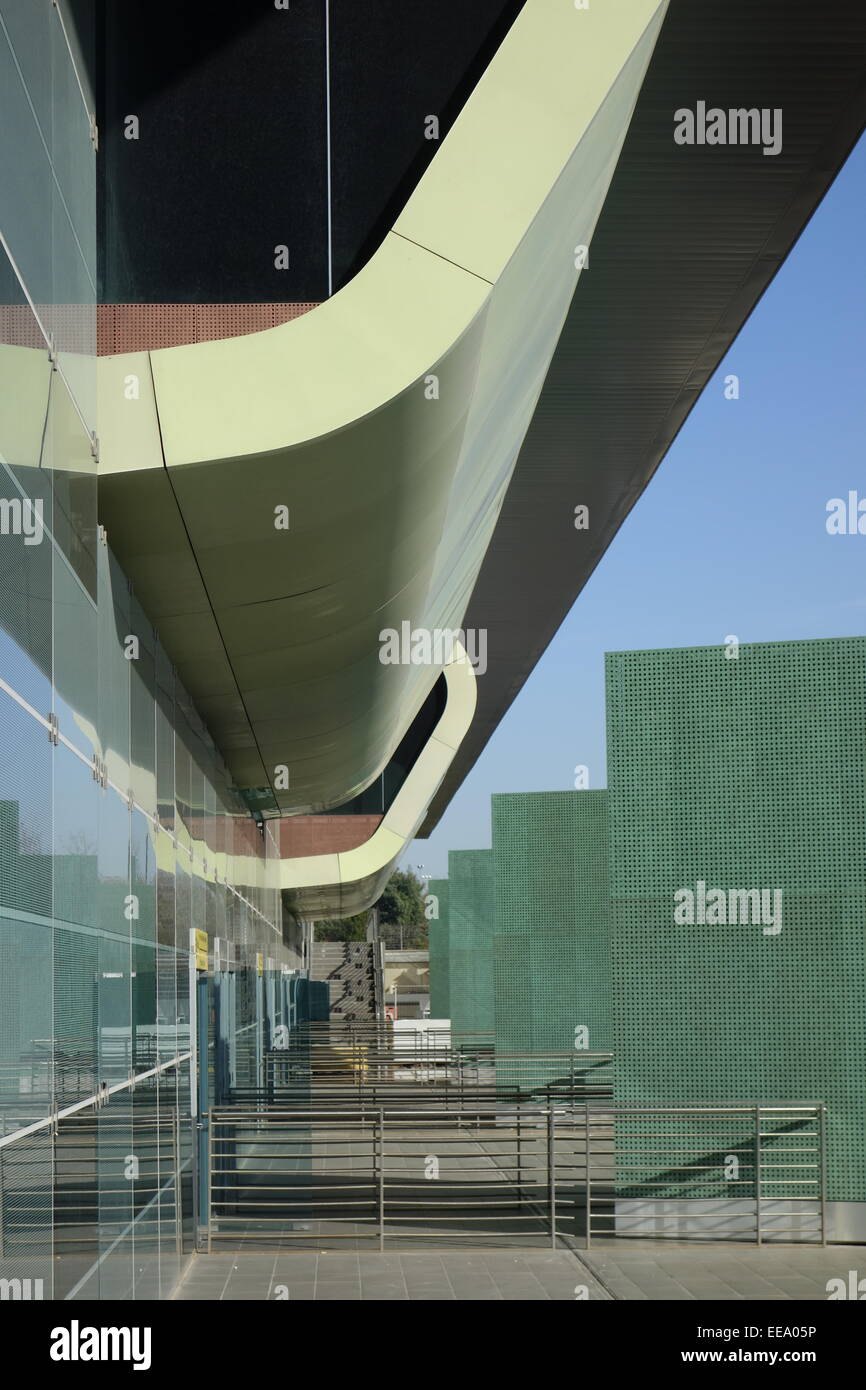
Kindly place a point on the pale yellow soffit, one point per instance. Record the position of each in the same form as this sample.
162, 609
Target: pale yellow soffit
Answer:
348, 870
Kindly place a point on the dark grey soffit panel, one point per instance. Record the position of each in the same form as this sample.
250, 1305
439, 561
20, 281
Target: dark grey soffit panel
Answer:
687, 242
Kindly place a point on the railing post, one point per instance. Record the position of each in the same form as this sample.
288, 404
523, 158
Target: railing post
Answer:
519, 1157
551, 1172
588, 1174
758, 1174
822, 1159
381, 1167
209, 1189
178, 1202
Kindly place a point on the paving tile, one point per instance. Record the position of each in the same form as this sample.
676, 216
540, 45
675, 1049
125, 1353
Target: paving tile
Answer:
478, 1296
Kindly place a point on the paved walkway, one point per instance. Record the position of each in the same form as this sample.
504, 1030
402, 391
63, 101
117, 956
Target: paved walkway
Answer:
734, 1272
526, 1275
647, 1272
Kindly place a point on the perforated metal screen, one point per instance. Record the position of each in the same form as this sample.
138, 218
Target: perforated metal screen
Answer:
744, 772
551, 948
439, 947
471, 911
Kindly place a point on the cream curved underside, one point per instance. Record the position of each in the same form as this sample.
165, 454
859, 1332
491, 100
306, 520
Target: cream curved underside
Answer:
387, 420
339, 885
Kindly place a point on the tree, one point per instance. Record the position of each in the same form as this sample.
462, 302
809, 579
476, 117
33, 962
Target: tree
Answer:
401, 904
343, 928
403, 900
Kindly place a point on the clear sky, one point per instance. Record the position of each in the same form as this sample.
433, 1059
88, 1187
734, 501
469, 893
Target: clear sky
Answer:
730, 536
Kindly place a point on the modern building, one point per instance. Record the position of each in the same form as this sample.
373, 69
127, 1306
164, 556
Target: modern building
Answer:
701, 920
737, 796
313, 333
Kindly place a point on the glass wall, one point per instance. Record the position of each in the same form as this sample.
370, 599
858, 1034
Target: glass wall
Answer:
120, 833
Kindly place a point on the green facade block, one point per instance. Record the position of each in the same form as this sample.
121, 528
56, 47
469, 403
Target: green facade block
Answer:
471, 912
552, 945
439, 947
740, 772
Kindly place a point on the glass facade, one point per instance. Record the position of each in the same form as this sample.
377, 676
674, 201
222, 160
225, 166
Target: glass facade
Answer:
120, 832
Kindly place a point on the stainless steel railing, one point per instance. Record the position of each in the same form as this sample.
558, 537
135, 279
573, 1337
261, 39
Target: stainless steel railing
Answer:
515, 1174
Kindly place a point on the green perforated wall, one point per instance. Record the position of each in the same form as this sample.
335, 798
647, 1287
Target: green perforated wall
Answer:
471, 910
742, 772
438, 941
552, 943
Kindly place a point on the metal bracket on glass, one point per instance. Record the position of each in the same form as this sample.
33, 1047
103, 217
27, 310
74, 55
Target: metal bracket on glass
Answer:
100, 772
103, 535
94, 132
53, 728
94, 446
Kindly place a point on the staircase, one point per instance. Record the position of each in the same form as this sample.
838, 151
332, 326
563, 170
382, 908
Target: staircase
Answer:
349, 967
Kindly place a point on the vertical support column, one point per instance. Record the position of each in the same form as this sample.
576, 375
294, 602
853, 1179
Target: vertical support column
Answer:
53, 1135
519, 1157
209, 1162
260, 1024
586, 1144
201, 1083
178, 1199
551, 1172
758, 1237
232, 1028
822, 1159
2, 1204
381, 1169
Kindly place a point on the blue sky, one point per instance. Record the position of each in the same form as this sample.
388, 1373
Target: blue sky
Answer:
729, 537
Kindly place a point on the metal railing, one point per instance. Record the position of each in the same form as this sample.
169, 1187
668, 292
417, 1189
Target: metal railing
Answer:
727, 1172
515, 1174
375, 1074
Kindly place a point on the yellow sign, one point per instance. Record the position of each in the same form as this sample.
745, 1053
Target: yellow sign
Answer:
260, 963
201, 950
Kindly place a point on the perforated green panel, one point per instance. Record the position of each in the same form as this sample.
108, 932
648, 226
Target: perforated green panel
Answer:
439, 944
746, 772
552, 949
470, 931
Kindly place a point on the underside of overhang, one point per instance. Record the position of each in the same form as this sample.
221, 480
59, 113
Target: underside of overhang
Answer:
341, 884
282, 500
